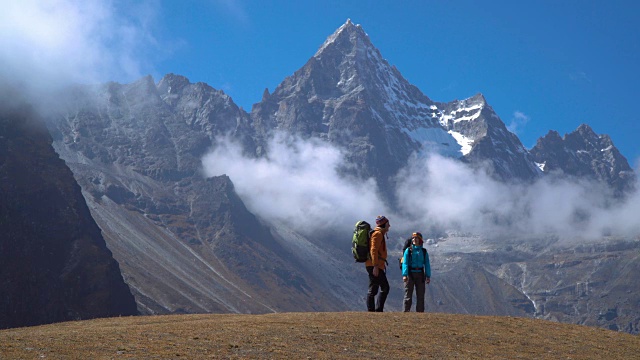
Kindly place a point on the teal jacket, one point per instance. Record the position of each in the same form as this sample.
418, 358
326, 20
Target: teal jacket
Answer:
419, 260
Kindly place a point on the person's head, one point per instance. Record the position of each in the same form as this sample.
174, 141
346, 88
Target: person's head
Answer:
382, 222
416, 238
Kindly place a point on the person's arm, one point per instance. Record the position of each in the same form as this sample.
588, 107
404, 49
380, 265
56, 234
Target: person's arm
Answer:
374, 249
405, 264
427, 267
376, 242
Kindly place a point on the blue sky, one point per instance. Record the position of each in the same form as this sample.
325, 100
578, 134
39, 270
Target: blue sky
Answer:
542, 65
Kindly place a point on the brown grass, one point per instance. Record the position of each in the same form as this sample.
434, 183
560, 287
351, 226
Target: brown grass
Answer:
355, 335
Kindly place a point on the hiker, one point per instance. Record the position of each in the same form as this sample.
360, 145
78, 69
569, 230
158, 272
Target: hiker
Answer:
416, 272
376, 266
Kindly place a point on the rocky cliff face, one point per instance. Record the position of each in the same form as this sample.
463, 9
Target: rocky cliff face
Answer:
590, 284
54, 264
185, 243
585, 154
349, 95
486, 141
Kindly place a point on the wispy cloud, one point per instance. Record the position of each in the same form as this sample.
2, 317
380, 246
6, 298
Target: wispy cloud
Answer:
299, 183
226, 86
452, 196
518, 122
45, 45
580, 76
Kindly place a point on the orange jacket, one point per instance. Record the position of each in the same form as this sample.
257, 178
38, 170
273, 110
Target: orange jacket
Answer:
378, 249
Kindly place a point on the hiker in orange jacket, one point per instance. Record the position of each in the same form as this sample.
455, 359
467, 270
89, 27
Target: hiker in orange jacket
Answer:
376, 266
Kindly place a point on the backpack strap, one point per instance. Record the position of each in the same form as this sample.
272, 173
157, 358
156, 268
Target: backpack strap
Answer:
424, 267
424, 253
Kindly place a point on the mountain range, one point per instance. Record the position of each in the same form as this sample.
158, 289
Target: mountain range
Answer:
186, 241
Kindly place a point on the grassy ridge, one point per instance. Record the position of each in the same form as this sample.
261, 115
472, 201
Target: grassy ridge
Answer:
316, 335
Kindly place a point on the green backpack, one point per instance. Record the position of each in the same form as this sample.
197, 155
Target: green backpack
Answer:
360, 241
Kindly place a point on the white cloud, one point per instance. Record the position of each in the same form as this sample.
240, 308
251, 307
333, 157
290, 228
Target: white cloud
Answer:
298, 183
45, 45
518, 121
580, 76
451, 195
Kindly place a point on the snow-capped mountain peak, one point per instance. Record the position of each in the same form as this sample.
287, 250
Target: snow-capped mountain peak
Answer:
363, 69
348, 93
347, 32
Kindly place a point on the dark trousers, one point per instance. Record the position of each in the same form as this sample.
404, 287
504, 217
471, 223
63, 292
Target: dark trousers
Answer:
414, 280
375, 283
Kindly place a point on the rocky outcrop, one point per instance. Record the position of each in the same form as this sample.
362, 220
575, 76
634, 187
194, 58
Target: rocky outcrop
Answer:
54, 263
488, 141
585, 154
185, 243
591, 284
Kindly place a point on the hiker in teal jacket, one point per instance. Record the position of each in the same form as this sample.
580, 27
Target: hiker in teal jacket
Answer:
416, 272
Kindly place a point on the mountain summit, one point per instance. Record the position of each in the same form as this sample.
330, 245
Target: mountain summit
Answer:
350, 95
363, 70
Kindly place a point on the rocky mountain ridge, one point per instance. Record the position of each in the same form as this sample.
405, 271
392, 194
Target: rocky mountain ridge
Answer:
583, 153
178, 236
185, 243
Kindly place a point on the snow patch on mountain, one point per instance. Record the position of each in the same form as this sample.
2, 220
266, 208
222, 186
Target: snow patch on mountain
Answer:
468, 113
465, 143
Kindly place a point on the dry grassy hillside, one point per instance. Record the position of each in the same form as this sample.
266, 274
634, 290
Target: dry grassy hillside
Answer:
317, 335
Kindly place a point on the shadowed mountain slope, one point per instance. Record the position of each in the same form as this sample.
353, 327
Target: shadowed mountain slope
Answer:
54, 264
